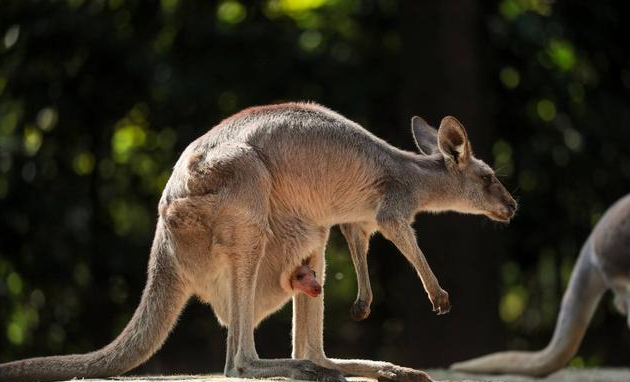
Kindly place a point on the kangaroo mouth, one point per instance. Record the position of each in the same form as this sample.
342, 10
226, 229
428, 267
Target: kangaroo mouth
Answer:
501, 216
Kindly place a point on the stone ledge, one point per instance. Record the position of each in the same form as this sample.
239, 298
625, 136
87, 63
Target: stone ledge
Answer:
441, 375
564, 375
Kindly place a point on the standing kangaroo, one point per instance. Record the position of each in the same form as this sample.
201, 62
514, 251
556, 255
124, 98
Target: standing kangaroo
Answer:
604, 263
253, 198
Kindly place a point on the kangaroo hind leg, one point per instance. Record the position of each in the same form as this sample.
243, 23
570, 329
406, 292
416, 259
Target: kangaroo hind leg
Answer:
243, 361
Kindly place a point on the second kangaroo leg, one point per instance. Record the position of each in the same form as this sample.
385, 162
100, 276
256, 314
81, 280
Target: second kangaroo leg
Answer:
358, 238
308, 330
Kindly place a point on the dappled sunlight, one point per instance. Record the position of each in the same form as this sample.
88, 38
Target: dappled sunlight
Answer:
562, 54
32, 140
513, 304
511, 9
83, 163
231, 12
503, 160
510, 77
294, 8
129, 135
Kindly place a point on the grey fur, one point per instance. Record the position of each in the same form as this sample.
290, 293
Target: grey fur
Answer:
424, 135
253, 198
603, 263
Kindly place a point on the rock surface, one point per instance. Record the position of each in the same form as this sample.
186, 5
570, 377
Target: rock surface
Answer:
565, 375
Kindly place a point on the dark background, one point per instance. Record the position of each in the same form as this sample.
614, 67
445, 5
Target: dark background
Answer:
98, 98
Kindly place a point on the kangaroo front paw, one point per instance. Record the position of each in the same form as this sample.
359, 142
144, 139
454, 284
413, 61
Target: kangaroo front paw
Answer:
440, 301
360, 310
309, 371
402, 374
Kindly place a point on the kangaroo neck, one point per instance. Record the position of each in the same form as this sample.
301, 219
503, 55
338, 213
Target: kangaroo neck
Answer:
434, 186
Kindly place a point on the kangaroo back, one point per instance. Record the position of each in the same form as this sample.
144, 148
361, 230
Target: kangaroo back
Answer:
582, 296
162, 300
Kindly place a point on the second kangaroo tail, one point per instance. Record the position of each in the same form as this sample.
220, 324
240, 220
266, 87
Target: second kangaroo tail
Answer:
585, 289
163, 299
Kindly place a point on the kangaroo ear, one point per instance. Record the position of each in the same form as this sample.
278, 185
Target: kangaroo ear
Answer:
425, 135
453, 141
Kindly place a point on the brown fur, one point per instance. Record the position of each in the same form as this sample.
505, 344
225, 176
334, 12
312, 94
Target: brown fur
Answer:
253, 198
604, 263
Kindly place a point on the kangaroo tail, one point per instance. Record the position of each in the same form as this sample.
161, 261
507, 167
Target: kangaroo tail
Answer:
164, 296
578, 305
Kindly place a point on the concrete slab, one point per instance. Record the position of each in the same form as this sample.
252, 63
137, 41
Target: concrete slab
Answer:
442, 375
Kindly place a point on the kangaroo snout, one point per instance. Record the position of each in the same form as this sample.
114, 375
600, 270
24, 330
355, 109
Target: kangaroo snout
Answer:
512, 206
507, 210
502, 210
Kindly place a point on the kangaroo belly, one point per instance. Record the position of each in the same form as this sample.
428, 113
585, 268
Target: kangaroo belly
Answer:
215, 291
285, 251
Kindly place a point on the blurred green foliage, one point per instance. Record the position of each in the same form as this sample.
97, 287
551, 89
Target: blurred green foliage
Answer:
98, 98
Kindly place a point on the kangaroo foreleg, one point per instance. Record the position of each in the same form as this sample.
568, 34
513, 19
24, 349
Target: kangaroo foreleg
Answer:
358, 239
397, 230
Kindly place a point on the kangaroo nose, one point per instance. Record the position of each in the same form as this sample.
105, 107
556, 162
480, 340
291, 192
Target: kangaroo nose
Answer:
512, 204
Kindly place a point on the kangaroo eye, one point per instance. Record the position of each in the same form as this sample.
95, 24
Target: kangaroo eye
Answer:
488, 179
299, 276
314, 274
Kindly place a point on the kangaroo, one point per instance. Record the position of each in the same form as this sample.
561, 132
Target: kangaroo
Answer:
253, 198
603, 263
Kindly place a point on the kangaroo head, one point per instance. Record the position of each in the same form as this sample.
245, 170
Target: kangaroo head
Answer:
471, 185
